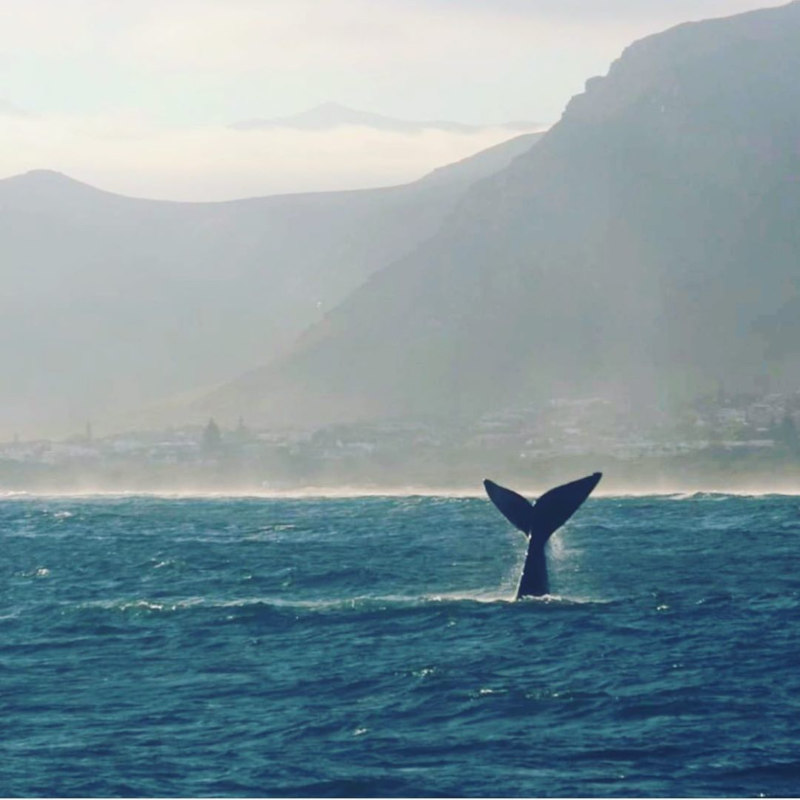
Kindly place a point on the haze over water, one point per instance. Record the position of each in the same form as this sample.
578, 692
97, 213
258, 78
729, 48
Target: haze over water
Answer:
368, 647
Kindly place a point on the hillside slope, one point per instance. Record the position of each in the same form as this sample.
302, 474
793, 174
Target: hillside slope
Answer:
648, 246
111, 302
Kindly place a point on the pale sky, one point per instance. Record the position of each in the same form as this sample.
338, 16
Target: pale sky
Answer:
136, 96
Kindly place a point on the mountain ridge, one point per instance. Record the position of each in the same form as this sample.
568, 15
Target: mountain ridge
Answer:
166, 297
617, 257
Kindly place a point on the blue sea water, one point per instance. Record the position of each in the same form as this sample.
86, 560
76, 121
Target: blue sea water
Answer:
368, 647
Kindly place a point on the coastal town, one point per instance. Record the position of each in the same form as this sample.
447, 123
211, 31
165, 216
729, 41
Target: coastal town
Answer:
733, 437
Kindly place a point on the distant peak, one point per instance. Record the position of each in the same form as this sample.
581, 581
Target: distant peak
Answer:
47, 176
47, 181
330, 115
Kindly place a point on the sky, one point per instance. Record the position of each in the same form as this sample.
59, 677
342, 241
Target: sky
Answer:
138, 96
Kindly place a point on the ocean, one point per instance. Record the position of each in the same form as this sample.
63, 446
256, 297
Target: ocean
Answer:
368, 646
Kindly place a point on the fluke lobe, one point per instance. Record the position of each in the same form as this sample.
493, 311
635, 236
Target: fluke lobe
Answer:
538, 522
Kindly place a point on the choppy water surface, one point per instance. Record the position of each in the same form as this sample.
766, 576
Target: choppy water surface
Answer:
368, 647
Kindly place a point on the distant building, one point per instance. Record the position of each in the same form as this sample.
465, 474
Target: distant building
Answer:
212, 436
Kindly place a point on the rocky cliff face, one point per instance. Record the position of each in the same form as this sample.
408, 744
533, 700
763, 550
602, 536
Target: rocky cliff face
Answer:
647, 246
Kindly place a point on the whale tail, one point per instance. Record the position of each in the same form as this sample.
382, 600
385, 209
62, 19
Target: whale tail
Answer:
539, 521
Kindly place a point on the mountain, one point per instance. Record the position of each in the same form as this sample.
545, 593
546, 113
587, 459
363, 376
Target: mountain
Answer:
112, 302
647, 247
330, 116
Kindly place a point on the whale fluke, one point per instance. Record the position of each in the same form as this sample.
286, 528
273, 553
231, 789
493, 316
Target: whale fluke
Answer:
514, 507
538, 522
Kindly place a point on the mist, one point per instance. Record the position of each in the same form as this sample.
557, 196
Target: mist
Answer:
196, 301
128, 155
